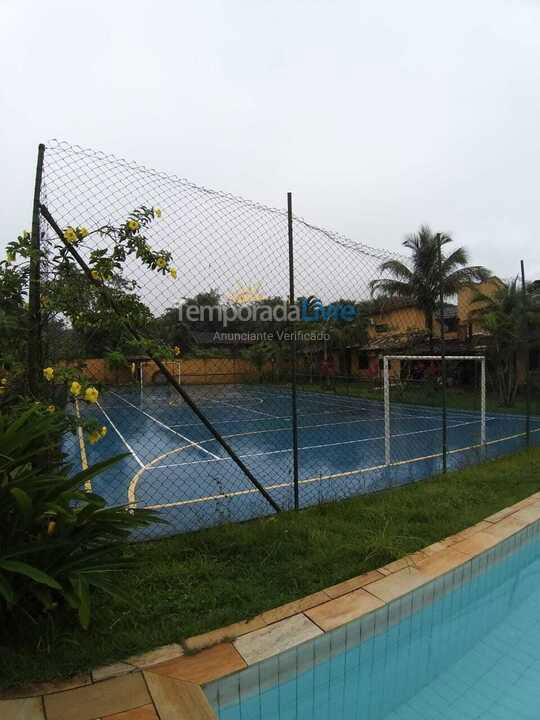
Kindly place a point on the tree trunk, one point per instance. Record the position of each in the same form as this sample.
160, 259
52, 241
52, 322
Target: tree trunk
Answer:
429, 327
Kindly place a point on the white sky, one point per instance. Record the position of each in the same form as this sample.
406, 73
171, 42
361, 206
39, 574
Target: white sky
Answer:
378, 115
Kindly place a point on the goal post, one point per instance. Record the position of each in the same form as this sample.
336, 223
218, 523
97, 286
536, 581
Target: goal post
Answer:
443, 358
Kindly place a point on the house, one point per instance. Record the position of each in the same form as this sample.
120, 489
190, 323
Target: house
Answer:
398, 327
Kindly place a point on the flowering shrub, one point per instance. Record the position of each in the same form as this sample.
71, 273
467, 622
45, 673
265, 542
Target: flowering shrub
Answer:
57, 543
105, 248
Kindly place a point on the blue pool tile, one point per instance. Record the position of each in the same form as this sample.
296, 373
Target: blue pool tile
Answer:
466, 648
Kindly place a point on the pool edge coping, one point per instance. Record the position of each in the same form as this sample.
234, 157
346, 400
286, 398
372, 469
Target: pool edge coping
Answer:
170, 679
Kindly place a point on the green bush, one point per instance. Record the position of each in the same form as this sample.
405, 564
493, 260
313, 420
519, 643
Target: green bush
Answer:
57, 542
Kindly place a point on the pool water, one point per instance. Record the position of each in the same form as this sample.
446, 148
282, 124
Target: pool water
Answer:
464, 646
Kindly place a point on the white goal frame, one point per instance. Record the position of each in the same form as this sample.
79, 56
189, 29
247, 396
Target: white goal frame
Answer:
445, 358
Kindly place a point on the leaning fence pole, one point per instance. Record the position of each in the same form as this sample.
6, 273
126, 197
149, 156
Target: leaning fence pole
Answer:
34, 348
161, 365
443, 356
525, 346
294, 406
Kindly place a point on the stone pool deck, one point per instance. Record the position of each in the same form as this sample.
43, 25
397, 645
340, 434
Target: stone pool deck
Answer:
167, 683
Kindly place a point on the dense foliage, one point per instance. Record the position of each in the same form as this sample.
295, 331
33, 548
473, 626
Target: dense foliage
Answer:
57, 541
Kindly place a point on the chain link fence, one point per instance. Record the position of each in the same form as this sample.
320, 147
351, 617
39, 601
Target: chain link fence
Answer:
276, 364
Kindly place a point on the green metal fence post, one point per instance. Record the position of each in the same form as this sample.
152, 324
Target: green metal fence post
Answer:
34, 346
443, 357
294, 407
525, 347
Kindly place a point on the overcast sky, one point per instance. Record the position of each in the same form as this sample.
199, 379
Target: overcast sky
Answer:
378, 115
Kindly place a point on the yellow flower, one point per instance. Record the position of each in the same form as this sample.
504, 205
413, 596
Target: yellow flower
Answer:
75, 389
48, 373
157, 212
103, 431
133, 225
161, 262
3, 381
96, 275
51, 408
93, 437
83, 232
91, 395
172, 273
177, 350
70, 235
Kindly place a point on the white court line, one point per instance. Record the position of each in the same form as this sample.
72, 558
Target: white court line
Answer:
122, 438
355, 400
307, 447
340, 422
240, 407
317, 478
356, 403
451, 415
192, 443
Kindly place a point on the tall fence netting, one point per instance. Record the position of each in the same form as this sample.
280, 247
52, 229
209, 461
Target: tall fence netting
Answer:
243, 374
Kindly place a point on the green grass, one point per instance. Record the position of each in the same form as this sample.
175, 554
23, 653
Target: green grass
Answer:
196, 582
426, 393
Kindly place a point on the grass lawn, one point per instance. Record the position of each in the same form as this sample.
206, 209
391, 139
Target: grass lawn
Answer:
426, 393
196, 582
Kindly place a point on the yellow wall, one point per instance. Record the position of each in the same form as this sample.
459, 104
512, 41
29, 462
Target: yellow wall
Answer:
398, 320
411, 319
466, 306
402, 320
193, 371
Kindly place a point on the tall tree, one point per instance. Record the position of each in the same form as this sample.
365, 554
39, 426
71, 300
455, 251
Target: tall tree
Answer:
511, 318
419, 279
71, 296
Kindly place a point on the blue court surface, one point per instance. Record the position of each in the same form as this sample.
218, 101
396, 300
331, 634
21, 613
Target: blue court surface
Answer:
176, 466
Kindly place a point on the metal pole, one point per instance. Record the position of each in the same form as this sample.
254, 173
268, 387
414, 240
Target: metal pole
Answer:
483, 403
34, 348
293, 349
525, 347
443, 357
386, 381
161, 365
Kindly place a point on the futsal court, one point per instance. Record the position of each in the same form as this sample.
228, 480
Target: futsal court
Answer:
175, 465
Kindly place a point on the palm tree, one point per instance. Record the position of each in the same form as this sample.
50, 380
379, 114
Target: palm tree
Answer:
420, 280
508, 315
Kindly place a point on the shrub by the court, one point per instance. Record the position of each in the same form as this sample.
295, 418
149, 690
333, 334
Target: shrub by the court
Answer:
58, 544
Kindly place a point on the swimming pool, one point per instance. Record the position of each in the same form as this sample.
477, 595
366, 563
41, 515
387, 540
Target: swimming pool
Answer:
464, 646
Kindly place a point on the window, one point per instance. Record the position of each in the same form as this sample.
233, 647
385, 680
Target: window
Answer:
363, 361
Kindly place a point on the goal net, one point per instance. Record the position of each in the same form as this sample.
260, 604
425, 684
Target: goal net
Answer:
429, 410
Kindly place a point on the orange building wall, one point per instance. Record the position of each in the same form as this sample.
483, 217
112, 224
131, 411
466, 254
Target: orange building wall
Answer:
192, 371
466, 305
398, 320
